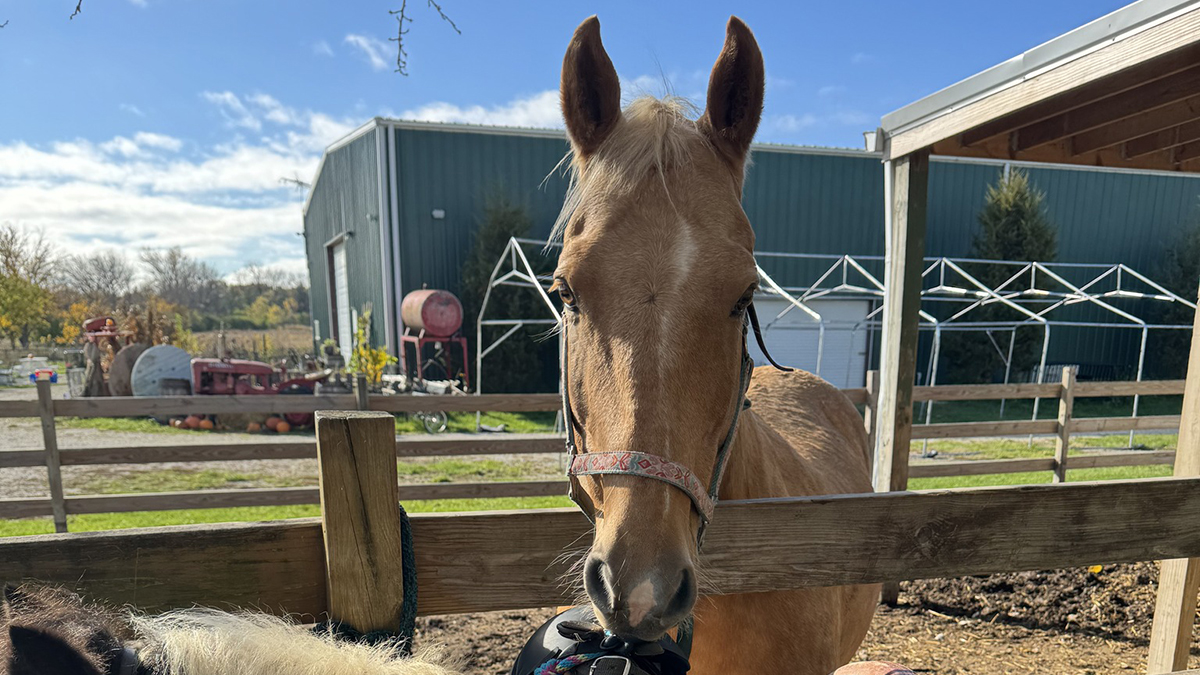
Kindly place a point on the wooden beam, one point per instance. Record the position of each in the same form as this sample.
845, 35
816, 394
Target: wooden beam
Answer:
1144, 388
1062, 442
50, 448
515, 559
979, 467
1179, 578
1140, 101
1186, 151
446, 445
1124, 80
18, 409
985, 392
1118, 132
909, 180
1161, 140
981, 429
1143, 46
1092, 425
275, 567
360, 518
910, 193
498, 402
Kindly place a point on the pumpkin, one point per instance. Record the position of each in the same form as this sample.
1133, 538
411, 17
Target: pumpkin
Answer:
282, 427
253, 428
192, 422
272, 422
206, 425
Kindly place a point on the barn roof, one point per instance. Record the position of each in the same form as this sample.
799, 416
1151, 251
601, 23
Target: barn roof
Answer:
1122, 91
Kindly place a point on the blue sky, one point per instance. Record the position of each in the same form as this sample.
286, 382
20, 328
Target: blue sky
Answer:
150, 123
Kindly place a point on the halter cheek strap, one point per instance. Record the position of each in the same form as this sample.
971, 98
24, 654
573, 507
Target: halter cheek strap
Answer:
658, 468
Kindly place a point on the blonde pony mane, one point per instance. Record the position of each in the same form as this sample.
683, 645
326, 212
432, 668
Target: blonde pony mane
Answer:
653, 135
210, 642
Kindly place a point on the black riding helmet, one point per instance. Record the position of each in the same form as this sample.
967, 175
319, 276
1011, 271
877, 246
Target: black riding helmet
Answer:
572, 641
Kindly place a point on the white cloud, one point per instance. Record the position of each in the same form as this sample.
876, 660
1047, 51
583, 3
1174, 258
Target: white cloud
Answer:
859, 58
322, 48
792, 122
132, 109
831, 90
139, 3
539, 110
235, 113
223, 203
373, 49
151, 140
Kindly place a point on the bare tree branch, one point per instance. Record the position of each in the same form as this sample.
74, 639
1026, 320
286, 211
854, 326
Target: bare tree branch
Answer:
2, 25
402, 17
78, 9
444, 17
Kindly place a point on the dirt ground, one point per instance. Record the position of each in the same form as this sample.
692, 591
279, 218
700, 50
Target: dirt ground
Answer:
1067, 622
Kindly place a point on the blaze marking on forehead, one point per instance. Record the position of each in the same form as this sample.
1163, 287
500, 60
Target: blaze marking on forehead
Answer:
672, 276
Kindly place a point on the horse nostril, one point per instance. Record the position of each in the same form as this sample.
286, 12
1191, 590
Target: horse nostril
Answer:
593, 582
685, 597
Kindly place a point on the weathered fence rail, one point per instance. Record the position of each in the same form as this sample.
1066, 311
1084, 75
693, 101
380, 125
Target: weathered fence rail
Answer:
59, 506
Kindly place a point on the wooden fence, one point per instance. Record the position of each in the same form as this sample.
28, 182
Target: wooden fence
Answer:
514, 560
59, 506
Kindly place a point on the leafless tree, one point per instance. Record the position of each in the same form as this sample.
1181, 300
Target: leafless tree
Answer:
27, 254
182, 280
105, 278
402, 17
266, 277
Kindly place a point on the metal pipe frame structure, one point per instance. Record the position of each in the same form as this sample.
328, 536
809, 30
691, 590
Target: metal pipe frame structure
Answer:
1048, 289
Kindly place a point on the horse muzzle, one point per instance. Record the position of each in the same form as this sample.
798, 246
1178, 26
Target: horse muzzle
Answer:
639, 606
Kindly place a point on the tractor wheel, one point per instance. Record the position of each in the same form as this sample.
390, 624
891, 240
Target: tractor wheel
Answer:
297, 419
435, 422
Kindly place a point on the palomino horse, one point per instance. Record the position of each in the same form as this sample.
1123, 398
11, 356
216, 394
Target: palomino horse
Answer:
656, 276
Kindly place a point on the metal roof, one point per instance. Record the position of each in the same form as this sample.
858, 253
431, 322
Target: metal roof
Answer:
1106, 30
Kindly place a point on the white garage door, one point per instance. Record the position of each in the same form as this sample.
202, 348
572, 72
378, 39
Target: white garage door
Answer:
341, 297
793, 338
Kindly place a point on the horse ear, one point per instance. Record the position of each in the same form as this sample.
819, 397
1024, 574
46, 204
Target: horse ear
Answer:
735, 92
40, 652
590, 90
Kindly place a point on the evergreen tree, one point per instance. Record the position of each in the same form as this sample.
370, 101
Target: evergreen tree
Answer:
518, 365
1179, 272
1013, 225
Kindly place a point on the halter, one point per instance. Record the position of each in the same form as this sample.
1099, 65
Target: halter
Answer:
656, 467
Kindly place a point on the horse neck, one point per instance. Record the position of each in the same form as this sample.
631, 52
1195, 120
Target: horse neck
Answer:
762, 464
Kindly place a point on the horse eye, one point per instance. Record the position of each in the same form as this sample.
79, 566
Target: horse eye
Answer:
565, 293
743, 302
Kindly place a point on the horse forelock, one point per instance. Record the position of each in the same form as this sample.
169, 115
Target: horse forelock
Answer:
652, 136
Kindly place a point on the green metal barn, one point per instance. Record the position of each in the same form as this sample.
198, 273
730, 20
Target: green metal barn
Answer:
394, 206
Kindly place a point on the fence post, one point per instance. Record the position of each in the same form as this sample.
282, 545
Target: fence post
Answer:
1179, 579
360, 518
362, 393
50, 443
1066, 406
870, 412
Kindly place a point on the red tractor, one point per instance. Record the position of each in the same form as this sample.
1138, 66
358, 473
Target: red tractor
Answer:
224, 377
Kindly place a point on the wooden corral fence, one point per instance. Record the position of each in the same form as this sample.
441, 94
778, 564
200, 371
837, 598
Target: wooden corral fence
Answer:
513, 560
60, 506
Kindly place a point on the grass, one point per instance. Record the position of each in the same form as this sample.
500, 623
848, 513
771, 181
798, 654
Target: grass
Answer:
1037, 478
1019, 448
1022, 409
464, 422
119, 521
405, 424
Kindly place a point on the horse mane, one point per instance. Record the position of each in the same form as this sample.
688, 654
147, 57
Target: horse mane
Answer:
212, 641
653, 135
90, 630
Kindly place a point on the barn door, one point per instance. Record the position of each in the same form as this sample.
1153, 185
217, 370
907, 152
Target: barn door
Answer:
341, 300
